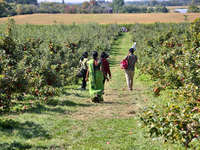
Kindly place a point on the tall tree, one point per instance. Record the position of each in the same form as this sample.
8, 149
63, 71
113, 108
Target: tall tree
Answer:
84, 6
153, 2
117, 4
196, 1
2, 7
22, 1
63, 1
93, 3
193, 9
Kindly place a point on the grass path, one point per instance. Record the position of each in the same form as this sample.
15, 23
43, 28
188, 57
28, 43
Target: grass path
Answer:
74, 122
119, 103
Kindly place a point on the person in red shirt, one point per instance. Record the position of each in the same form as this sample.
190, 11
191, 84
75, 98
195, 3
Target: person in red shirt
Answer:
105, 65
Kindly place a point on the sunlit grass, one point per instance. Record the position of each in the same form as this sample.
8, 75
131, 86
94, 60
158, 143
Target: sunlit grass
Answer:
101, 18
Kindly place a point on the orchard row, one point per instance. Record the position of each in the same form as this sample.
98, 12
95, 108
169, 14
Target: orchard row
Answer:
39, 60
170, 53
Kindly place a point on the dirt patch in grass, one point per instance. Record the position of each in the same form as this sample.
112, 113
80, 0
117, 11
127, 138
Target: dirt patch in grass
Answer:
115, 105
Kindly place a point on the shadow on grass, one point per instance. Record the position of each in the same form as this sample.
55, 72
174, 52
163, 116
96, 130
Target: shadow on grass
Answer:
71, 88
42, 108
72, 104
65, 93
31, 130
19, 146
27, 130
39, 109
74, 93
118, 103
14, 145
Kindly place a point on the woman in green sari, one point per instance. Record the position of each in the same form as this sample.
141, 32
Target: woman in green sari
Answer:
96, 73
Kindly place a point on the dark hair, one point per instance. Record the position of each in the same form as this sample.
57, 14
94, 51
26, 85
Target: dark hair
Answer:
107, 55
85, 54
94, 54
131, 50
103, 55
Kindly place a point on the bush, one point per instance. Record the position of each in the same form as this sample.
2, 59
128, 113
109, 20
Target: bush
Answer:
39, 60
193, 9
148, 11
170, 54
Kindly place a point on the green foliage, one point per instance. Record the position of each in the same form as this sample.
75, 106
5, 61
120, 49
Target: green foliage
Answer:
170, 54
8, 123
193, 9
4, 7
40, 60
133, 9
153, 3
117, 4
160, 8
22, 1
92, 7
67, 122
174, 123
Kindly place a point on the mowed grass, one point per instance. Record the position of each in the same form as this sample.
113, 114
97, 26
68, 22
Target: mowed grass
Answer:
101, 18
74, 122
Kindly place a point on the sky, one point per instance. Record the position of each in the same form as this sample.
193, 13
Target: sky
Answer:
71, 1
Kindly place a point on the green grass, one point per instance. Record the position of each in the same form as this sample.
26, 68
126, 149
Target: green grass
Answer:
74, 122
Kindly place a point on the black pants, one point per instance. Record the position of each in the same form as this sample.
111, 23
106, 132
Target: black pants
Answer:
104, 79
83, 81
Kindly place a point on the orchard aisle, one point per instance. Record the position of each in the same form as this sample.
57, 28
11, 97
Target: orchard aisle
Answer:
72, 121
118, 102
115, 120
114, 124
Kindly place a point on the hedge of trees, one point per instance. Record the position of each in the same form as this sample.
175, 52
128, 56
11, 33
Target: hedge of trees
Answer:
22, 1
193, 9
170, 54
19, 7
38, 61
164, 3
143, 9
86, 8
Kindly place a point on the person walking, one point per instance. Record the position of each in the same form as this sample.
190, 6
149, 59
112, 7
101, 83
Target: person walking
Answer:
105, 65
130, 71
84, 68
96, 72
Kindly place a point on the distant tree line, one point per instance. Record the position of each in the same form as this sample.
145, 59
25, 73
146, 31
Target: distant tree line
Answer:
193, 9
19, 7
165, 3
142, 9
22, 1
